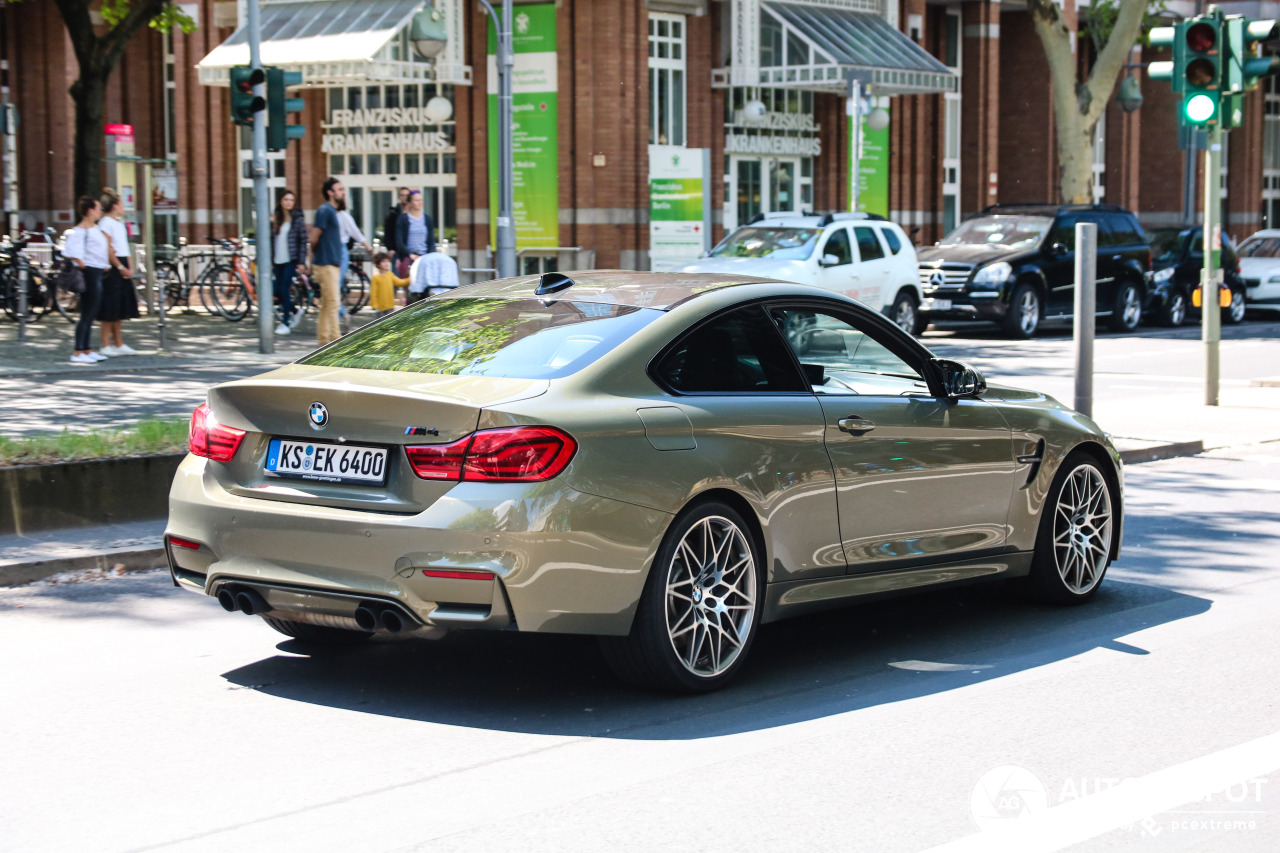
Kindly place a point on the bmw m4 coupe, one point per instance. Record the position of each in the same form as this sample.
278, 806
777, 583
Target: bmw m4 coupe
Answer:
665, 461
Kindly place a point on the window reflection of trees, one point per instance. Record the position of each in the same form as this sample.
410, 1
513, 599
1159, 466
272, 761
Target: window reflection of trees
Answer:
492, 337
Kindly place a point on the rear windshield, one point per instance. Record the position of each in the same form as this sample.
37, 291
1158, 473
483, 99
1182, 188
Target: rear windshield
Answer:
790, 244
1260, 247
522, 339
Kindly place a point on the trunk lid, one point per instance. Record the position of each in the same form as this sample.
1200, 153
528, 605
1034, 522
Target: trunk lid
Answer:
371, 408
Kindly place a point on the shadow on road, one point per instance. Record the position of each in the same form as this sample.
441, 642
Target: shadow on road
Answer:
800, 669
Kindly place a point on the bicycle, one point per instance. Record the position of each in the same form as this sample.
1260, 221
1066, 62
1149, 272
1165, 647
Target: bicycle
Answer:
355, 287
227, 280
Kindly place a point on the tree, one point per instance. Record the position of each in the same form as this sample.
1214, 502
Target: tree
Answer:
1077, 105
97, 55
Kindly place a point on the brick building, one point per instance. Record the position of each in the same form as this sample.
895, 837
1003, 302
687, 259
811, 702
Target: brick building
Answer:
398, 94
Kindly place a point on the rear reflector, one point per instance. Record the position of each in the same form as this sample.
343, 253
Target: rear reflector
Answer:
458, 576
210, 439
184, 543
508, 455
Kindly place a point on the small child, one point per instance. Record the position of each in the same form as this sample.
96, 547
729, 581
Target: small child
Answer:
382, 289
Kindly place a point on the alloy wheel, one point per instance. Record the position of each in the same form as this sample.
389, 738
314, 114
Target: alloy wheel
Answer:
1177, 309
1237, 309
1131, 308
1082, 529
710, 596
904, 316
1028, 312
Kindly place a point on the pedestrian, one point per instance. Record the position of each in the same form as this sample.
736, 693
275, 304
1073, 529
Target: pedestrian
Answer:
119, 297
435, 272
391, 221
382, 288
350, 233
415, 231
288, 256
326, 258
91, 250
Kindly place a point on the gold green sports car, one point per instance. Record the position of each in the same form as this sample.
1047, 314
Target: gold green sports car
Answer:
666, 461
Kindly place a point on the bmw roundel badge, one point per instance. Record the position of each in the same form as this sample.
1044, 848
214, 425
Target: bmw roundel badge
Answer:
318, 415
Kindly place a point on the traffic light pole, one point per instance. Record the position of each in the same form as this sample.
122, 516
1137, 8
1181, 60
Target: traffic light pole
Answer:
261, 195
505, 61
1211, 276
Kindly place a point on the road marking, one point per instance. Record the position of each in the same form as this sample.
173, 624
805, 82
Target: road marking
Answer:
1076, 821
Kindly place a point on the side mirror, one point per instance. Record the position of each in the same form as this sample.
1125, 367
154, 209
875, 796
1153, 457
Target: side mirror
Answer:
1059, 249
959, 379
829, 261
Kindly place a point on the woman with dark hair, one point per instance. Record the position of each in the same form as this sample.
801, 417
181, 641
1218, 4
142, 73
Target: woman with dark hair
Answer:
119, 298
288, 255
91, 250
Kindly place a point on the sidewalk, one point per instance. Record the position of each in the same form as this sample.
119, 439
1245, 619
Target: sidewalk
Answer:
1172, 424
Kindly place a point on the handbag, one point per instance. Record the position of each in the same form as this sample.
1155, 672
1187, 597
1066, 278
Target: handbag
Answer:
71, 277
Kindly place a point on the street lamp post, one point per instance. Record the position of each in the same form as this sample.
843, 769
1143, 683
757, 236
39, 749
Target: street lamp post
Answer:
505, 60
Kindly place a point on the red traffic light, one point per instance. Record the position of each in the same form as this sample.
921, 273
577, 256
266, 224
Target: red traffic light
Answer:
1201, 37
246, 82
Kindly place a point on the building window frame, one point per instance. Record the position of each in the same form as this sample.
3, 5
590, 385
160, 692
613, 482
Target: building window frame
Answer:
668, 79
952, 112
1271, 152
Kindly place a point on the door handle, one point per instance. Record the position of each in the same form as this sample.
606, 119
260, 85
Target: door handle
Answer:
855, 425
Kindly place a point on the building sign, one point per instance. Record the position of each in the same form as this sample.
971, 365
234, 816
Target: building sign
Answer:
535, 170
772, 133
377, 143
679, 205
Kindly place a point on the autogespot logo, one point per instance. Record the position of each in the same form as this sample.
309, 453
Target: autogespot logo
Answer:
318, 415
1005, 794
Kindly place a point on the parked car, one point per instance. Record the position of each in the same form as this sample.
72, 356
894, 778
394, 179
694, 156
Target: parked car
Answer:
863, 256
1260, 268
665, 461
1014, 264
1175, 276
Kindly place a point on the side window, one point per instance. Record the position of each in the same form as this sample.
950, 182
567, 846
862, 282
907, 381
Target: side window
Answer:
891, 237
838, 244
1125, 229
1107, 236
1064, 232
738, 353
869, 248
839, 358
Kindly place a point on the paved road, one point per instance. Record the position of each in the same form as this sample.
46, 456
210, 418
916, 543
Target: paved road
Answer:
140, 717
206, 351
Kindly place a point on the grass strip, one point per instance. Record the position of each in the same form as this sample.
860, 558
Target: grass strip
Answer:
156, 435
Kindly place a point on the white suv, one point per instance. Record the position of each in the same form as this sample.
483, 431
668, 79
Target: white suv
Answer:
858, 254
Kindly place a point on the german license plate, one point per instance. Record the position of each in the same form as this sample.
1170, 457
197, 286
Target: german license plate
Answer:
326, 463
936, 305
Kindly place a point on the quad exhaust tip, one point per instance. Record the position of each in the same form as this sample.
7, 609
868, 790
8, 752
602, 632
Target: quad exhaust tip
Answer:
370, 617
244, 600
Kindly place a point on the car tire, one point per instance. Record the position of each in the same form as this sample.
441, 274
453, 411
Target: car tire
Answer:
905, 314
686, 643
1023, 317
1234, 315
1173, 312
320, 634
1075, 540
1126, 313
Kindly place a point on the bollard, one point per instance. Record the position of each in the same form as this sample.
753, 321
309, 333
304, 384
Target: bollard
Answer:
1086, 313
24, 281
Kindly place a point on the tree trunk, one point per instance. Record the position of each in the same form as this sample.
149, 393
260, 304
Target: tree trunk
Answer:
89, 94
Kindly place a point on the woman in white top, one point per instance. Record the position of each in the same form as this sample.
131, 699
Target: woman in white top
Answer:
119, 299
91, 250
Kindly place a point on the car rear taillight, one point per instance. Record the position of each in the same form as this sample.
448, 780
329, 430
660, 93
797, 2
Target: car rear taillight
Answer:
507, 455
210, 439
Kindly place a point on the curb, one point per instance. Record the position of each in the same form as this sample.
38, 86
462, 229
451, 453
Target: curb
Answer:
128, 559
1138, 455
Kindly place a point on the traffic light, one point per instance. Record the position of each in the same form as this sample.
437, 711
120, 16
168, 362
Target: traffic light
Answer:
244, 103
279, 105
1201, 69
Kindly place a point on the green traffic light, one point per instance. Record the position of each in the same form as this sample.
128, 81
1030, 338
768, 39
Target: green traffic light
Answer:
1199, 108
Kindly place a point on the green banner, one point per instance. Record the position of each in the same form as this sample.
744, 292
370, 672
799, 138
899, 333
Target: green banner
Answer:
873, 170
536, 174
677, 205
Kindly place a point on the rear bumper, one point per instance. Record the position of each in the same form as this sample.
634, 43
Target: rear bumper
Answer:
551, 560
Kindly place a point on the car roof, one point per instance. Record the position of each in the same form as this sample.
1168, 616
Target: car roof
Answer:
614, 287
1051, 209
1265, 232
811, 220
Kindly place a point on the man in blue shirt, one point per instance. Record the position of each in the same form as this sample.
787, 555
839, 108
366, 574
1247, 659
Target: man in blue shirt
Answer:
326, 257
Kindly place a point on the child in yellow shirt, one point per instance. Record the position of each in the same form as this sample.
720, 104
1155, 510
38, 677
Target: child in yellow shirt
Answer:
382, 290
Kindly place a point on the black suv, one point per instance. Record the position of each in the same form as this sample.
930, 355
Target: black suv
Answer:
1175, 273
1014, 264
